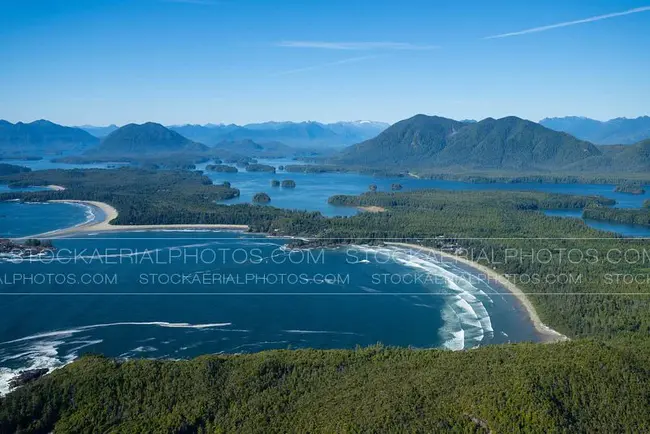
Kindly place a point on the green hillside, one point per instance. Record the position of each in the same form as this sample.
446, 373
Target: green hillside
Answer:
571, 387
149, 138
507, 144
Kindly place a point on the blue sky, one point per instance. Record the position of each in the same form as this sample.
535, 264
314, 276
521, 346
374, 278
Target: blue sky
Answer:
199, 61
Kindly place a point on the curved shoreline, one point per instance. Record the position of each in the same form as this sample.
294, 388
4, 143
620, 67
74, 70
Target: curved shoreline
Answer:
111, 214
547, 334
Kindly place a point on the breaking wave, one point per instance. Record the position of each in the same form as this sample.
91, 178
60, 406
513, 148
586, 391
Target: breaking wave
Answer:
466, 322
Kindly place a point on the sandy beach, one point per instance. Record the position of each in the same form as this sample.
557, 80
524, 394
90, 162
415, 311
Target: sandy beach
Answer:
547, 334
371, 208
110, 214
55, 187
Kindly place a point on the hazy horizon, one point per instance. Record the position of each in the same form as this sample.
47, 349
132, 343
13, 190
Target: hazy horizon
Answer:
217, 123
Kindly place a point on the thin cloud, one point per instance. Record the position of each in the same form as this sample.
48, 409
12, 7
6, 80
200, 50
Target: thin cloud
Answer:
571, 23
355, 45
325, 65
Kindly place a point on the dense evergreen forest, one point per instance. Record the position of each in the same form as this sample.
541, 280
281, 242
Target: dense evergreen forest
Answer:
619, 215
583, 386
598, 382
146, 196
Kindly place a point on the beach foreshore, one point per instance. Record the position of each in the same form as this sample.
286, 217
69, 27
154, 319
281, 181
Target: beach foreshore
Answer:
374, 209
110, 214
547, 334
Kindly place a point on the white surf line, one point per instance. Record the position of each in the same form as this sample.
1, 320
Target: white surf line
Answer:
164, 324
547, 334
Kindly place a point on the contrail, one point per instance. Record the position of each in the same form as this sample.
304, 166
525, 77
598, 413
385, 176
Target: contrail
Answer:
571, 23
324, 65
355, 45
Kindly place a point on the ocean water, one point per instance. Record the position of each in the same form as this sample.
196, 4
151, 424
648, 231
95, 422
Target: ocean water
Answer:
24, 219
633, 231
181, 294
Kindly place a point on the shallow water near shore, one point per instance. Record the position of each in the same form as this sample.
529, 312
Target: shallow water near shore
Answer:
342, 299
24, 219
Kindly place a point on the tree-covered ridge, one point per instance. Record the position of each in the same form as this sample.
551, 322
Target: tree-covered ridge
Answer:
584, 386
619, 215
437, 199
509, 143
149, 138
630, 188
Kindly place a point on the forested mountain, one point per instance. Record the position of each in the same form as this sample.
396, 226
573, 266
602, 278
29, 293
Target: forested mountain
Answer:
149, 138
628, 158
294, 134
41, 137
509, 143
613, 132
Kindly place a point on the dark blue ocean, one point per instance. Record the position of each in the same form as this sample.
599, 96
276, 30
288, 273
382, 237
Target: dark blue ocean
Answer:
182, 294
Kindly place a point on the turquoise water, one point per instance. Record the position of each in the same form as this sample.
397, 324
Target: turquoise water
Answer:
637, 231
230, 299
313, 190
24, 219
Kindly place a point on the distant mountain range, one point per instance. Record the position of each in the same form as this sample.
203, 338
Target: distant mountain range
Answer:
41, 137
250, 148
421, 143
430, 142
99, 132
295, 134
619, 131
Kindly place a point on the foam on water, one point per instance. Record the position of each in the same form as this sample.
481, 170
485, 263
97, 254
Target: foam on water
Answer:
466, 320
52, 350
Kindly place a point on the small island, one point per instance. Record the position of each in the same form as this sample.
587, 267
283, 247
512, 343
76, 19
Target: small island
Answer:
396, 187
288, 183
275, 183
261, 198
372, 188
256, 167
630, 189
224, 168
240, 161
314, 168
